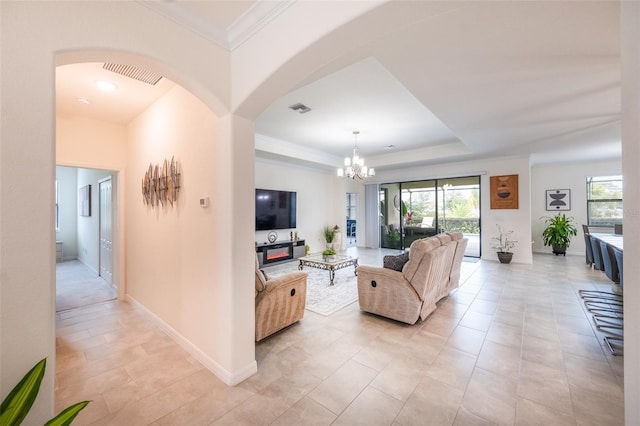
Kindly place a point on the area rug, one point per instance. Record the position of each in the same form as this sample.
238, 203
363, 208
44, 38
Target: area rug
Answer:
323, 298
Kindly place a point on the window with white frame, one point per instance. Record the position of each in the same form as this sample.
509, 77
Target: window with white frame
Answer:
604, 200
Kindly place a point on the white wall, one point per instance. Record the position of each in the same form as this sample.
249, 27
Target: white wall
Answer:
630, 35
28, 158
565, 176
315, 198
517, 220
67, 178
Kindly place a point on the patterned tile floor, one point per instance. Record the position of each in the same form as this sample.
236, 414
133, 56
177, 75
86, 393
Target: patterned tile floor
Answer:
513, 346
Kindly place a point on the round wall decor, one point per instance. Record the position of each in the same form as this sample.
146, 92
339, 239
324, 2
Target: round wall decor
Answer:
272, 236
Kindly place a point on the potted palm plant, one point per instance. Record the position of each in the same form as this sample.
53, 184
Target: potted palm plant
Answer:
558, 232
328, 233
503, 244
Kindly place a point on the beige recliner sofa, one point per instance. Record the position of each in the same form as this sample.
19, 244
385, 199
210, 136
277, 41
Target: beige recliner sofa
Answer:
431, 273
280, 301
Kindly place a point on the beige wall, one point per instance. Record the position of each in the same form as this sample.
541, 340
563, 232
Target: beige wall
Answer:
88, 143
83, 31
174, 252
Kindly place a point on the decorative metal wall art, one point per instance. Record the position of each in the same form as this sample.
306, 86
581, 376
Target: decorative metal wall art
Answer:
161, 184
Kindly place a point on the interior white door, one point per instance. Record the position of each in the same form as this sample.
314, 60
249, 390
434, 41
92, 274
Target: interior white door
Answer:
106, 230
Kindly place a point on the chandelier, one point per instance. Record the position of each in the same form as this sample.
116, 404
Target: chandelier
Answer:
354, 166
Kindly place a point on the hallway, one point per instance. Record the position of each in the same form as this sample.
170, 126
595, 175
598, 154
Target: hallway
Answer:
78, 286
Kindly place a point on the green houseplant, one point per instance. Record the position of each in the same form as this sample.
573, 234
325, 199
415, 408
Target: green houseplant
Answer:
503, 244
560, 228
328, 254
18, 402
328, 233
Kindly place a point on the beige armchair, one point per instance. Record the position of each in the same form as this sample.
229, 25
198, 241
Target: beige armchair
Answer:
413, 292
280, 301
456, 265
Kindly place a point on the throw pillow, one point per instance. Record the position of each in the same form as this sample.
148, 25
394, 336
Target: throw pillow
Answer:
395, 262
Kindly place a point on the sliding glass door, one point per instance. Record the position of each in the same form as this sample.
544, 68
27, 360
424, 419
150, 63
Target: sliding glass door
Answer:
420, 209
459, 209
421, 199
391, 209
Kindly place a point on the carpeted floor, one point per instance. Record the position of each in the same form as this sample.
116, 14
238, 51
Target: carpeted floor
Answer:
323, 298
77, 285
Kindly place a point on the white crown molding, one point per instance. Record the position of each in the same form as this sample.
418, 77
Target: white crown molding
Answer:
241, 30
176, 13
253, 20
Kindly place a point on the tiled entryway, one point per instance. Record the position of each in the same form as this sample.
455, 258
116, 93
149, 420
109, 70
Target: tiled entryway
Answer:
513, 346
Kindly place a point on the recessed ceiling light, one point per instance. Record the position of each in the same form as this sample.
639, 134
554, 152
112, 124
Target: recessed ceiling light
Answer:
106, 86
84, 101
389, 147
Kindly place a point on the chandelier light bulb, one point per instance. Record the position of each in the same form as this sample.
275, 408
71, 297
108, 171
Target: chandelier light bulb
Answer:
354, 167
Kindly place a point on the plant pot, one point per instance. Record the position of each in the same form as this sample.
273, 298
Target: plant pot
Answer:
560, 250
504, 256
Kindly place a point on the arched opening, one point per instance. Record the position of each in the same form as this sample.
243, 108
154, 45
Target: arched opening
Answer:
167, 259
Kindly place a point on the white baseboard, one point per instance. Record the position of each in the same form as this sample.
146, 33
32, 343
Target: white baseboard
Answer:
223, 374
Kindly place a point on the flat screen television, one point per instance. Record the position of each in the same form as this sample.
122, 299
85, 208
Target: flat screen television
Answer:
275, 209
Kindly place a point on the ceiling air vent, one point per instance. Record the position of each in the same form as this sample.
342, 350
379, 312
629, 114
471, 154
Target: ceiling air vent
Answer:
300, 108
133, 72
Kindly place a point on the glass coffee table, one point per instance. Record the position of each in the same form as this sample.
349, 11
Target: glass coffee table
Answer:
329, 263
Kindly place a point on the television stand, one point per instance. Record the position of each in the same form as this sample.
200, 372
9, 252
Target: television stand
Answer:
280, 251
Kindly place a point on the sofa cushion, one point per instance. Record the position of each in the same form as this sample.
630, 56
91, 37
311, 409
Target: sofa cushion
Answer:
455, 235
395, 262
444, 238
417, 252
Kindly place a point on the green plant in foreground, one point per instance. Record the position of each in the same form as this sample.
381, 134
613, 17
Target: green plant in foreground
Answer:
17, 404
328, 252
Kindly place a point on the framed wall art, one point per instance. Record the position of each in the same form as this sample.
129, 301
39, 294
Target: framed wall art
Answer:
84, 200
558, 199
504, 192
